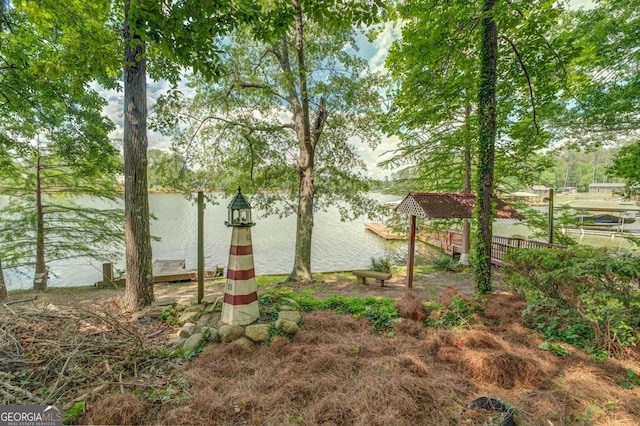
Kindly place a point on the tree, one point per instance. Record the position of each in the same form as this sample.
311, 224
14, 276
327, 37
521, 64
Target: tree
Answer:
169, 170
43, 221
51, 124
137, 233
285, 117
487, 128
605, 81
437, 64
626, 166
3, 287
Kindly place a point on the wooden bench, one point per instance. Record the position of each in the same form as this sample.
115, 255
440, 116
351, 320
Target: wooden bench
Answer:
362, 276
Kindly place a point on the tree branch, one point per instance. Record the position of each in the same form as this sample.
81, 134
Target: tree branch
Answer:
246, 85
526, 74
321, 118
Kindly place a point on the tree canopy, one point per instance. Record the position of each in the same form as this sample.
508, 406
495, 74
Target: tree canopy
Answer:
285, 117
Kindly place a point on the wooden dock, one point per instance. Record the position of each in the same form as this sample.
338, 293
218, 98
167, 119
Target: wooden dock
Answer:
167, 270
383, 231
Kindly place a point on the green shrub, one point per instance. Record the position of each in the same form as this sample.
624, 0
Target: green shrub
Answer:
380, 312
381, 264
583, 296
445, 264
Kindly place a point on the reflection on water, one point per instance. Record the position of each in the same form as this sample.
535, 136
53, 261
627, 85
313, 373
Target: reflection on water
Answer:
337, 245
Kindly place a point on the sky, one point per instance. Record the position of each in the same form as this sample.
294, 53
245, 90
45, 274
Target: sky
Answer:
375, 52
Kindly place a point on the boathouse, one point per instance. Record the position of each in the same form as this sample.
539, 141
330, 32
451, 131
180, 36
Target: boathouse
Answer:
437, 205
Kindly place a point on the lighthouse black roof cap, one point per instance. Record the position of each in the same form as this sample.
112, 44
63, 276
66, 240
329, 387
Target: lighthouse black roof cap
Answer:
239, 202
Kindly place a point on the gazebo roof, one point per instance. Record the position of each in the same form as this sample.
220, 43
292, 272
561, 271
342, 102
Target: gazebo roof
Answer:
438, 205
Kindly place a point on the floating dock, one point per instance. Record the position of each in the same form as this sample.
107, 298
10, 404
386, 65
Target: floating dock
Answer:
164, 271
383, 231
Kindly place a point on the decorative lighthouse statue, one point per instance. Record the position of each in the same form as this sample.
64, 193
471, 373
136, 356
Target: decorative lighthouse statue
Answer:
240, 306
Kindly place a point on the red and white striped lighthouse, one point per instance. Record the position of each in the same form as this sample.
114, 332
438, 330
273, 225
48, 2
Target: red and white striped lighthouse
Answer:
240, 306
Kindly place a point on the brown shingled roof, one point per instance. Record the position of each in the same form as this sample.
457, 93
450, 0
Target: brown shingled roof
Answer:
438, 205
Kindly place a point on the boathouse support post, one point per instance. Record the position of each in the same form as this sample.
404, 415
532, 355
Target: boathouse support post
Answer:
200, 246
466, 243
412, 250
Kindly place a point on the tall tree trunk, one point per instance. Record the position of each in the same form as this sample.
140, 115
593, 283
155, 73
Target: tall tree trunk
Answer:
304, 224
487, 137
306, 165
3, 287
466, 225
137, 235
41, 277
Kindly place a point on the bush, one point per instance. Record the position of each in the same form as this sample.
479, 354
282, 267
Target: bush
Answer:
380, 312
584, 296
381, 264
445, 264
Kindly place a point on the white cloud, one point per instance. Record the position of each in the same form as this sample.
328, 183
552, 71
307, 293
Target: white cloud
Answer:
585, 4
381, 46
372, 157
115, 111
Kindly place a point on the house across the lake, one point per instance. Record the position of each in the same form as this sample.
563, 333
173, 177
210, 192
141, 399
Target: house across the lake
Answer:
600, 188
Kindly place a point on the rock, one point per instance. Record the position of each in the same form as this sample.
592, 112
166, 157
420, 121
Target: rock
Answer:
165, 302
149, 313
229, 333
215, 319
187, 330
176, 341
257, 333
204, 320
210, 334
210, 300
292, 316
287, 308
287, 326
246, 344
195, 308
210, 347
188, 316
193, 342
288, 301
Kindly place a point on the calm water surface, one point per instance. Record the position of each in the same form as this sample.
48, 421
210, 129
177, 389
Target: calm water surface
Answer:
337, 245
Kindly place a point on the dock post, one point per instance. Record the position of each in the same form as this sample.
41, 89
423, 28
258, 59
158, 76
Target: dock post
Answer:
107, 272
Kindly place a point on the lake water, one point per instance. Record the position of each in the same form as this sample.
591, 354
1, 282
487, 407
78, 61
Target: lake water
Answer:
337, 245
